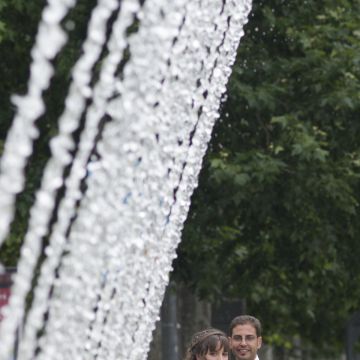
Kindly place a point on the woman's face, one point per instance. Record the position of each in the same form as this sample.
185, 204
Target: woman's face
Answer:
218, 354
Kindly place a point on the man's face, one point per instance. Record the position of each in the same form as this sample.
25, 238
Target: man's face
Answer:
244, 342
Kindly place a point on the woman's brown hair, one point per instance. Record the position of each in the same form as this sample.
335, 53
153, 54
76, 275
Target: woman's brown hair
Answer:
206, 341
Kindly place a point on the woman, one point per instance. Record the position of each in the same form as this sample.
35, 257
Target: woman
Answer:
209, 344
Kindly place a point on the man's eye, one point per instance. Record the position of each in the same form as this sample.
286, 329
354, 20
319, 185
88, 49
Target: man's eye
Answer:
246, 338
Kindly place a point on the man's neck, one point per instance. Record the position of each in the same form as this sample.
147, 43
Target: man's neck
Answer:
234, 358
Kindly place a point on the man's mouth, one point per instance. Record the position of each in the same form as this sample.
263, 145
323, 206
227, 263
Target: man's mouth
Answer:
242, 352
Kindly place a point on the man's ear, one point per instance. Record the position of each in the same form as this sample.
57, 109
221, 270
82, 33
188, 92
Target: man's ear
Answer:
230, 341
259, 342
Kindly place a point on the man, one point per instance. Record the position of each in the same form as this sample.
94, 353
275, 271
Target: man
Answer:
245, 337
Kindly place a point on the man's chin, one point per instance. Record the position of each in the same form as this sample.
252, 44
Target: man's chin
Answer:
242, 355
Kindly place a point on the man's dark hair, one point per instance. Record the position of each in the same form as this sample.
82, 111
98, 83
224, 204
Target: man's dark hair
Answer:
243, 320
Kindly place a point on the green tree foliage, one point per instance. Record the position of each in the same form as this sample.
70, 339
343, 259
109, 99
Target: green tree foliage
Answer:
275, 219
